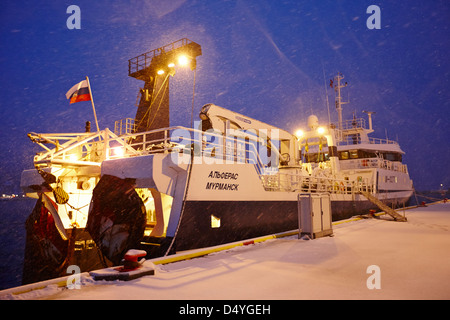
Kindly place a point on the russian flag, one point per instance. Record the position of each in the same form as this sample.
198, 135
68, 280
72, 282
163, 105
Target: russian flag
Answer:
79, 92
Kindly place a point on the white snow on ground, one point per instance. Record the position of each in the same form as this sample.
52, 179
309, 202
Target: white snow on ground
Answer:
413, 257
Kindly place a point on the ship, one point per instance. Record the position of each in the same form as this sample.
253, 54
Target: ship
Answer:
166, 189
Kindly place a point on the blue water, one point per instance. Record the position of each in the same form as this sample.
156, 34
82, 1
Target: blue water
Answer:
13, 214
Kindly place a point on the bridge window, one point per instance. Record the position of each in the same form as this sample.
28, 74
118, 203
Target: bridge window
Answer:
317, 157
353, 154
343, 155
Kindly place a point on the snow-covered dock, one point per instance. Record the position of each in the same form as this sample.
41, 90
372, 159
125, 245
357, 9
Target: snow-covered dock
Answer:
365, 259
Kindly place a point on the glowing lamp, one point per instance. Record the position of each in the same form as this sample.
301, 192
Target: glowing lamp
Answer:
320, 130
118, 151
183, 60
299, 133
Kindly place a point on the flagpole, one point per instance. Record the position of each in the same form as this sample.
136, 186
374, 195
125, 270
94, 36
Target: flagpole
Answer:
92, 101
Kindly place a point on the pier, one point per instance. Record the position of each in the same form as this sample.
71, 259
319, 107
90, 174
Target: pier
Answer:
411, 257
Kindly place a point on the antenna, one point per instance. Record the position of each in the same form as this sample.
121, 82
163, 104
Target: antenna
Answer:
326, 95
370, 113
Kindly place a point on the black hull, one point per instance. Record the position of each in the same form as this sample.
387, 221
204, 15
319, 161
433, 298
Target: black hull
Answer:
49, 256
239, 220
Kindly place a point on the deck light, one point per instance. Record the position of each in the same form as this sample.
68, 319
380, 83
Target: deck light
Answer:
118, 151
183, 60
299, 133
161, 71
320, 130
171, 65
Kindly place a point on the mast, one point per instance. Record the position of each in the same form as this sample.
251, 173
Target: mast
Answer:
154, 68
338, 100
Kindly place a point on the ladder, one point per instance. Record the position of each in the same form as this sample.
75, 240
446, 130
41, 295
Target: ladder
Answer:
394, 214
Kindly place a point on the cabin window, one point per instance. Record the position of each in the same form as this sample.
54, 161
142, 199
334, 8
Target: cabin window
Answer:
317, 157
366, 154
215, 222
361, 154
343, 155
393, 156
353, 154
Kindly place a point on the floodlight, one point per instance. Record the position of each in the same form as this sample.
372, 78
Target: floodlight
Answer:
299, 133
183, 60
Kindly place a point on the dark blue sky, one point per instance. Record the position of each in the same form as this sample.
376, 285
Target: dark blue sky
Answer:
262, 58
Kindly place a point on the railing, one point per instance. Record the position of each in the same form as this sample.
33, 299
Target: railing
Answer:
300, 183
215, 147
82, 149
90, 149
350, 140
144, 60
359, 123
209, 147
381, 141
77, 149
374, 163
124, 126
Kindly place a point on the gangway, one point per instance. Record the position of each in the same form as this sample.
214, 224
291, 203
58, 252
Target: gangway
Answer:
394, 214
